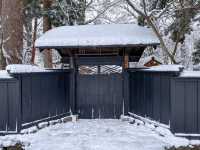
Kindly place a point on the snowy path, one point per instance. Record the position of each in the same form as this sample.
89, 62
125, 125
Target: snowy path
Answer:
96, 135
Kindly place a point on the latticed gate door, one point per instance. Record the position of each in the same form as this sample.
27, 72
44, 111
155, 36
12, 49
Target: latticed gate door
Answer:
100, 94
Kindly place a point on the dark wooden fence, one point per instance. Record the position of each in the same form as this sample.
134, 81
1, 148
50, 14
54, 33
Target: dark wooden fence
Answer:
31, 98
99, 96
185, 98
44, 95
10, 105
150, 94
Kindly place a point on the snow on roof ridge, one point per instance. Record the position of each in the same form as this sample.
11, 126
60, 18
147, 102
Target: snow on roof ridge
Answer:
97, 35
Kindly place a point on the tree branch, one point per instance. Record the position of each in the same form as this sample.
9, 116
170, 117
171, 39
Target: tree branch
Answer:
154, 28
102, 12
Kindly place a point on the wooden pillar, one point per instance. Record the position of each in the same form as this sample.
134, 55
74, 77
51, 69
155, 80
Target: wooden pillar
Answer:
71, 63
126, 61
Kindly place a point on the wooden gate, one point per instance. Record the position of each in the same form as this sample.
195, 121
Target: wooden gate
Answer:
99, 96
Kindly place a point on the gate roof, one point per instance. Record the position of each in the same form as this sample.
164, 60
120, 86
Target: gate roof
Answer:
97, 36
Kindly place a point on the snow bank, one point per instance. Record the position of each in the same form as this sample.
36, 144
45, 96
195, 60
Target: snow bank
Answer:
162, 133
18, 68
4, 75
97, 35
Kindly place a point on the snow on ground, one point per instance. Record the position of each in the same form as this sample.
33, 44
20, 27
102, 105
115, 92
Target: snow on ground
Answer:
97, 135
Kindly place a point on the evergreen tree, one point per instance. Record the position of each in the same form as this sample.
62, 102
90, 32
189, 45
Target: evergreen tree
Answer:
181, 25
67, 12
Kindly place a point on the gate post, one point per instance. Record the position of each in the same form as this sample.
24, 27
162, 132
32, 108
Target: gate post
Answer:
73, 85
126, 89
125, 86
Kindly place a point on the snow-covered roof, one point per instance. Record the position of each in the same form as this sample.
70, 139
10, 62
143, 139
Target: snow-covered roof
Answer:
145, 60
97, 36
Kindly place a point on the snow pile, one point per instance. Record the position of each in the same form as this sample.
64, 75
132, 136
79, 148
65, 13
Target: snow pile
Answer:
163, 133
4, 75
97, 35
98, 135
166, 68
18, 68
149, 121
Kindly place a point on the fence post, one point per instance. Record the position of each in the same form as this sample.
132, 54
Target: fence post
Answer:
19, 101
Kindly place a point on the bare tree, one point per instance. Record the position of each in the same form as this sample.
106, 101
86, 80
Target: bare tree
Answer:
168, 12
77, 11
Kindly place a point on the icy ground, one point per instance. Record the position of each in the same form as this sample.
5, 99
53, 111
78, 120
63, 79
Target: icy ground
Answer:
97, 135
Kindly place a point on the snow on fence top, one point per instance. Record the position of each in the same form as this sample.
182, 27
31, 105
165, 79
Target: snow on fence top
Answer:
190, 74
97, 35
4, 75
166, 68
18, 68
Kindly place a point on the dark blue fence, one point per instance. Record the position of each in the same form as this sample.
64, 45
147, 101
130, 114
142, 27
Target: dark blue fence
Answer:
10, 105
31, 98
185, 98
44, 96
168, 98
99, 96
150, 94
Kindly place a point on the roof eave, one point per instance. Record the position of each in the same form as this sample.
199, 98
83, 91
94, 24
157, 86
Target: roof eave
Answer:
97, 46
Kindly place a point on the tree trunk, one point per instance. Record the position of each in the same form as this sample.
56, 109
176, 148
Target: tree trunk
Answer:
47, 26
2, 58
34, 39
12, 12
